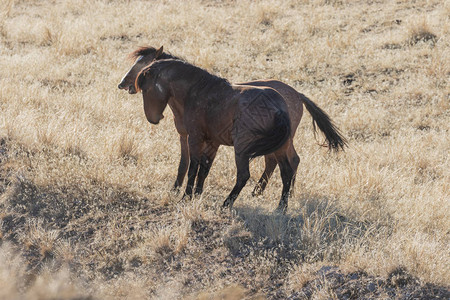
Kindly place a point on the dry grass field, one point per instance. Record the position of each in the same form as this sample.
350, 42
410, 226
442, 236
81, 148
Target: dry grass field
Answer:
86, 210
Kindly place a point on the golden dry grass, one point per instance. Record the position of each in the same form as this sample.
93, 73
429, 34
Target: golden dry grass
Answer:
85, 207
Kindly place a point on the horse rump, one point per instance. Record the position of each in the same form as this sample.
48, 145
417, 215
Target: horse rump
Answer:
272, 138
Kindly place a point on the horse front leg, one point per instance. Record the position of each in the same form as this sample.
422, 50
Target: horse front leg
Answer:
205, 165
243, 174
184, 163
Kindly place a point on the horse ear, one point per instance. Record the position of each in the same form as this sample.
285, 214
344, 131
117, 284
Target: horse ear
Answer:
159, 52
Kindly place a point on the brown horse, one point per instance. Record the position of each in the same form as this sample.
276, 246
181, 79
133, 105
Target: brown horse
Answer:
294, 100
254, 120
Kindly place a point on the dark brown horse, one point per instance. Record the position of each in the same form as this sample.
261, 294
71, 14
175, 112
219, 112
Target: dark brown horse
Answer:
294, 100
254, 120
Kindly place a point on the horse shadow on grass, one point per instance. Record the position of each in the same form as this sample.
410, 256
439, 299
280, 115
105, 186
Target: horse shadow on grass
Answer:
316, 231
319, 231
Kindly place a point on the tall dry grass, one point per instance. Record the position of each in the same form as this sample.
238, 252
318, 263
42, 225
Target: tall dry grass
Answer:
85, 207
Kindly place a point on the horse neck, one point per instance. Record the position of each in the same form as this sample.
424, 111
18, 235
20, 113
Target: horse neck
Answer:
179, 91
178, 97
182, 88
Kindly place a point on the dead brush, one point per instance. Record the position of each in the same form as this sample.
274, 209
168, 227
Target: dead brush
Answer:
38, 239
192, 211
124, 147
237, 236
322, 290
168, 241
421, 32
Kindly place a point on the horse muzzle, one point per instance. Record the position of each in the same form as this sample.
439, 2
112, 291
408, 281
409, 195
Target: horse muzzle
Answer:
156, 122
121, 86
131, 89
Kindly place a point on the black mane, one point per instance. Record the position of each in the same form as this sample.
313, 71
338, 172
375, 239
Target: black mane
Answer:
143, 51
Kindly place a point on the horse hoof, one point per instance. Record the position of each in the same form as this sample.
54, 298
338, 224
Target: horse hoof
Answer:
281, 210
186, 197
175, 190
256, 192
227, 204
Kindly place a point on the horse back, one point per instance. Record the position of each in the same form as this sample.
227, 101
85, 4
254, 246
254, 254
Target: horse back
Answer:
293, 99
263, 100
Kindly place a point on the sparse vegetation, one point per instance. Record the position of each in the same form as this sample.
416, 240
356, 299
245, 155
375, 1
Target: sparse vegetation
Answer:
86, 210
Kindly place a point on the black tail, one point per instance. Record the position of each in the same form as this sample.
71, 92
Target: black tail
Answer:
274, 138
334, 138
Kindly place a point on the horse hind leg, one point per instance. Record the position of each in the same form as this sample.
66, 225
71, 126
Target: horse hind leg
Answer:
243, 174
294, 162
288, 161
270, 165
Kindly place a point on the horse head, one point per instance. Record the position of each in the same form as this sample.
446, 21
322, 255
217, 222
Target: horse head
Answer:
155, 91
143, 57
